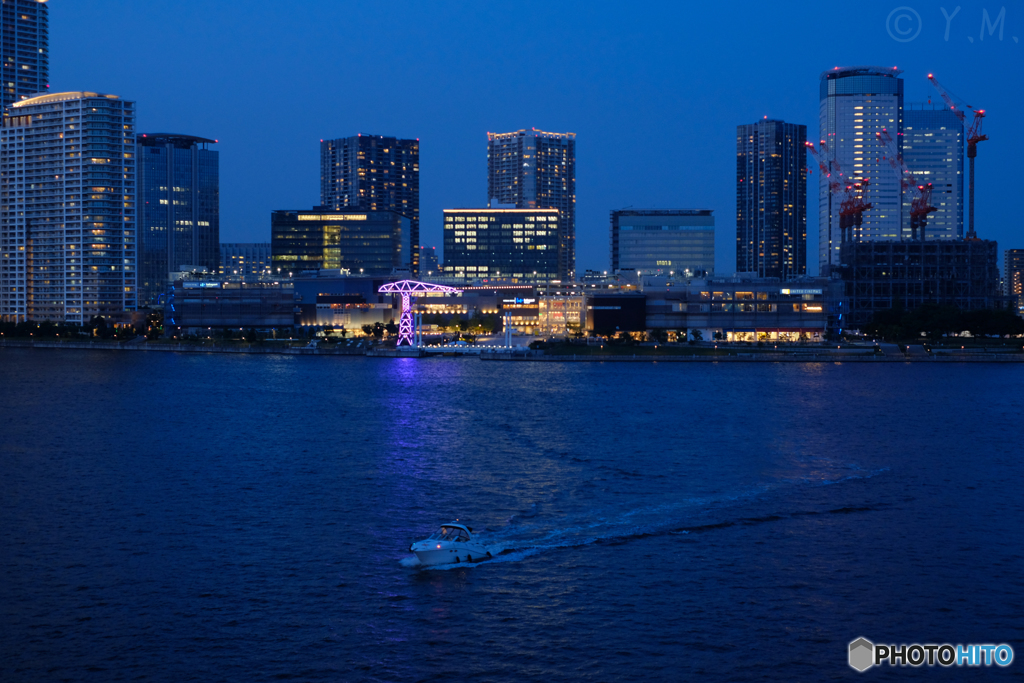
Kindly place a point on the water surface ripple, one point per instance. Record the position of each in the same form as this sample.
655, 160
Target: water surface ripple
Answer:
170, 517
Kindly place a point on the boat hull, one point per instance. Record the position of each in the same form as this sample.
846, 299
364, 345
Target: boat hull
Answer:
429, 554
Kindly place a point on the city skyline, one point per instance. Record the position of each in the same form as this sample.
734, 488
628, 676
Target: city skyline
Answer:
662, 153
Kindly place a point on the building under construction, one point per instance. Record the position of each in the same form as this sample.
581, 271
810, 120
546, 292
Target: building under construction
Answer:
886, 274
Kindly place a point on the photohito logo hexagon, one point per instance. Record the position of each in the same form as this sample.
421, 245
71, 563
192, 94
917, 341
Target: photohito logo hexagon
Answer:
862, 654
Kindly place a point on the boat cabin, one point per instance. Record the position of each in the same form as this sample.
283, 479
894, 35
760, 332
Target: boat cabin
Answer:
451, 532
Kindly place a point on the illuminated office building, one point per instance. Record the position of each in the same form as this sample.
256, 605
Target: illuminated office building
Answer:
663, 241
24, 59
373, 173
531, 169
68, 221
856, 103
245, 259
771, 199
179, 209
517, 244
368, 242
933, 150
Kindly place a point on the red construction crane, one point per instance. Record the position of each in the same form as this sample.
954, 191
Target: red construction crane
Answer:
974, 136
851, 203
921, 203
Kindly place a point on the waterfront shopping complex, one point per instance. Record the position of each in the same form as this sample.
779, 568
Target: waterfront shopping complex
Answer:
725, 309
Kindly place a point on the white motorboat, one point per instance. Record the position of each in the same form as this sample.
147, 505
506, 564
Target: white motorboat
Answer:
453, 542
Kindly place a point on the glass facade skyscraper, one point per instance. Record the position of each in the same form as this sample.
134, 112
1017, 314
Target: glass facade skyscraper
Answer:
179, 201
68, 221
856, 103
373, 173
367, 242
771, 199
663, 241
933, 150
24, 57
516, 244
428, 261
531, 169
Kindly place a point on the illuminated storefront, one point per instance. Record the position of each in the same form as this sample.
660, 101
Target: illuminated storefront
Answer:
728, 309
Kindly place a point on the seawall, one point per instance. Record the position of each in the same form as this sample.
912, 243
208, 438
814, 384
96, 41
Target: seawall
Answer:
538, 357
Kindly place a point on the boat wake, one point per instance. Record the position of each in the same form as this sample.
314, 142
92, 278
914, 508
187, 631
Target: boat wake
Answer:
527, 534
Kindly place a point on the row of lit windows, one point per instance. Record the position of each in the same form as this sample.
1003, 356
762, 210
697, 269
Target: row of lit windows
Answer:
493, 219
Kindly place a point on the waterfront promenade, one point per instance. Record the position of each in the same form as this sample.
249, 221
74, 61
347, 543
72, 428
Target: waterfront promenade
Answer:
185, 347
888, 353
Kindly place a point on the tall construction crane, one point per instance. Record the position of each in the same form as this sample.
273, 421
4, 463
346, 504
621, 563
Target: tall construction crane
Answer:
921, 202
851, 203
974, 136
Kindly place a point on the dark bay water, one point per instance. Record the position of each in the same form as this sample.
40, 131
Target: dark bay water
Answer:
173, 517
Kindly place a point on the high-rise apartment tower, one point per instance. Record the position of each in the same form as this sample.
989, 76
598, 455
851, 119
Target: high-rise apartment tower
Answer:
1013, 275
24, 50
856, 103
531, 169
67, 223
771, 199
373, 173
179, 209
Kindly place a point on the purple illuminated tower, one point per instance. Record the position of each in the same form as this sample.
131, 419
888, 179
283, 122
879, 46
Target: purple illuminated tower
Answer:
409, 289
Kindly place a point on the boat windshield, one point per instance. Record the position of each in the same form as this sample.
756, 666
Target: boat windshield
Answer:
449, 533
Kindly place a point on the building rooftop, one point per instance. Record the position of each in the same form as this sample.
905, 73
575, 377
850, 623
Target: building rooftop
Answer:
175, 138
499, 210
532, 131
844, 71
926, 106
46, 98
663, 212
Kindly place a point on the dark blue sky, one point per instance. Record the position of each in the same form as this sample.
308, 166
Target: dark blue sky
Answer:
653, 90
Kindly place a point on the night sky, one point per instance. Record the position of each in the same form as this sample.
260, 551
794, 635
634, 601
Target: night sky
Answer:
654, 91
